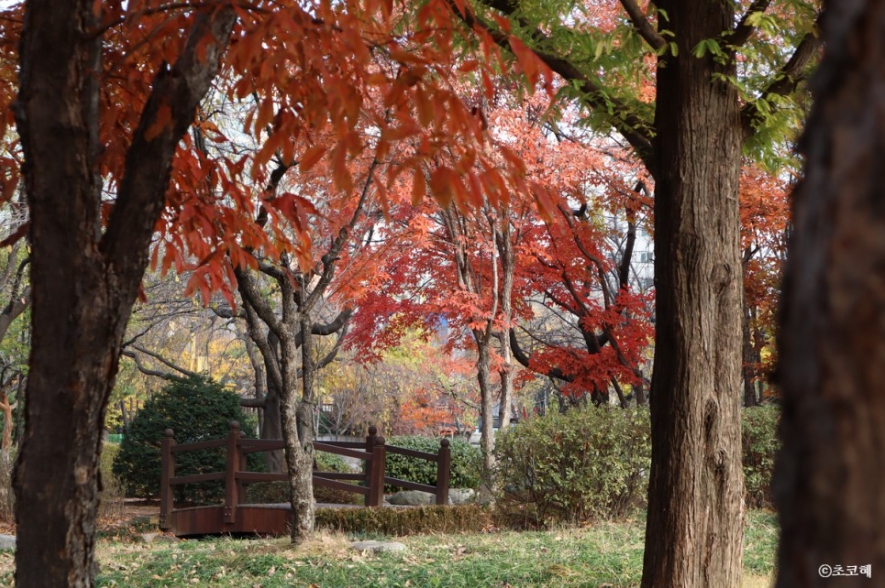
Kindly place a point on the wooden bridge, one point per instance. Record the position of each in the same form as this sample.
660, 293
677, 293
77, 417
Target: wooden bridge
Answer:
234, 516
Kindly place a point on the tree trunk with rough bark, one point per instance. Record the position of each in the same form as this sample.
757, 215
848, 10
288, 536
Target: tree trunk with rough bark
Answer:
829, 487
695, 509
84, 281
748, 354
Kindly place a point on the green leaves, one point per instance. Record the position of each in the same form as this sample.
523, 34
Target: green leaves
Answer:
465, 462
589, 463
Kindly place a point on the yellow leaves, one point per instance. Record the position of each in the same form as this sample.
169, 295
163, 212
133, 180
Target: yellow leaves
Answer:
162, 121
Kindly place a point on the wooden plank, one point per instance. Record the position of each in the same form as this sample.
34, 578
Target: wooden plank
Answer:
348, 444
216, 443
342, 451
410, 485
339, 475
261, 477
256, 445
319, 481
412, 453
178, 480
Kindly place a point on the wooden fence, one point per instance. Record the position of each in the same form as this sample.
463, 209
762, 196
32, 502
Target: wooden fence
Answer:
236, 477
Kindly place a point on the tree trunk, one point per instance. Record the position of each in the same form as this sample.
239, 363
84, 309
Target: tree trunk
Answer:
748, 357
84, 282
487, 407
272, 427
695, 507
508, 269
829, 487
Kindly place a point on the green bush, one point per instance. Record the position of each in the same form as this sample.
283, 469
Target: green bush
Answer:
466, 461
760, 444
195, 409
589, 463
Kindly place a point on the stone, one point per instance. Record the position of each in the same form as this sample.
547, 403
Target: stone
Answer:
377, 546
7, 542
461, 495
412, 498
157, 538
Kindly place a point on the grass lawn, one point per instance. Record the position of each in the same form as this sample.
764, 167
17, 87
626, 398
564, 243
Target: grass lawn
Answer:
606, 554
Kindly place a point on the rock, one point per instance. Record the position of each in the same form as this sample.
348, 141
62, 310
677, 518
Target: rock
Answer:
157, 538
7, 542
461, 495
377, 546
412, 498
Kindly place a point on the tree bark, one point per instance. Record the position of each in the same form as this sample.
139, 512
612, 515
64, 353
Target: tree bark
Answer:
829, 487
748, 362
83, 283
695, 508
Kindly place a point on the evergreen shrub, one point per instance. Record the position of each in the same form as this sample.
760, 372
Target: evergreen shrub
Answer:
196, 409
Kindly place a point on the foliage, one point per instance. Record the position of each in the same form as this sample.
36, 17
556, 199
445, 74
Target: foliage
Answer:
608, 554
278, 492
588, 463
196, 409
465, 518
111, 497
760, 444
465, 462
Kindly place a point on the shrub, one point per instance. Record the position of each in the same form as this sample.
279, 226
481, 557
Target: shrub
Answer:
465, 518
466, 461
196, 409
111, 497
278, 492
760, 444
588, 463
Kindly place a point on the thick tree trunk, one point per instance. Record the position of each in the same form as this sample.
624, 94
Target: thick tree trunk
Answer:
84, 282
829, 486
695, 508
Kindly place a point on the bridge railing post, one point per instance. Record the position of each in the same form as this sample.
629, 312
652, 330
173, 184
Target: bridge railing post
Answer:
443, 472
167, 472
230, 481
376, 470
367, 467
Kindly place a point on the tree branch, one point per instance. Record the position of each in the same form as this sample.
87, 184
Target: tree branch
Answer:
642, 26
631, 126
176, 94
744, 29
525, 360
785, 82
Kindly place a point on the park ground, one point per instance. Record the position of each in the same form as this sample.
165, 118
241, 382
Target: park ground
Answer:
607, 554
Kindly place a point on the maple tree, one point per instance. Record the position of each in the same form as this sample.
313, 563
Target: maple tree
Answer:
106, 95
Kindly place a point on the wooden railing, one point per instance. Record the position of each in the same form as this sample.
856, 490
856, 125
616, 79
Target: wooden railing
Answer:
236, 475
